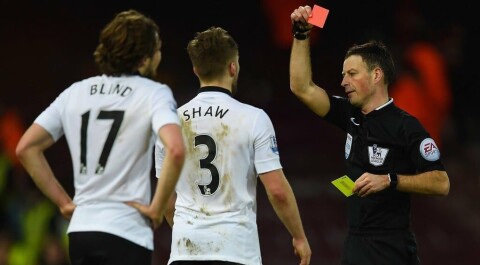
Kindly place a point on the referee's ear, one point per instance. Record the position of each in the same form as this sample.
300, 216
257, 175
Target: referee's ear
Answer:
377, 75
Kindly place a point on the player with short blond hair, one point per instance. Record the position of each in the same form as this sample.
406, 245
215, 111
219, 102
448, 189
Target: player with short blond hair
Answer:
230, 146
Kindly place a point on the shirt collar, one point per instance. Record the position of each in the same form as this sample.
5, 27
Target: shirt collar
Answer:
390, 100
381, 109
214, 89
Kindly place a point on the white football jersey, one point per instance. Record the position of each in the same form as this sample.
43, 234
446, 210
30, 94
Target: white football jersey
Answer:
228, 144
111, 124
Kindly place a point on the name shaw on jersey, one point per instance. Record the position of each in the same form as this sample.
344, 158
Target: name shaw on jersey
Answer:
211, 111
100, 89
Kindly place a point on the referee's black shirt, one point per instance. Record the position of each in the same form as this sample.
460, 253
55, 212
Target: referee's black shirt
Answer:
386, 140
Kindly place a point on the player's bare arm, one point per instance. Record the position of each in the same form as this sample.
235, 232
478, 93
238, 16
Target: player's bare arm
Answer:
169, 213
30, 152
172, 140
283, 201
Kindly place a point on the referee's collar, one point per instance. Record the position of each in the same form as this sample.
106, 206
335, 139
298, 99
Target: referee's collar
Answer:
390, 100
214, 89
382, 109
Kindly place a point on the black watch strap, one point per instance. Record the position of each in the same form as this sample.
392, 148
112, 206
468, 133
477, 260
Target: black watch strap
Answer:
300, 32
301, 36
393, 181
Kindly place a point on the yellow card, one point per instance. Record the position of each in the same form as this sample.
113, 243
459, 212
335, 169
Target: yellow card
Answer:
344, 184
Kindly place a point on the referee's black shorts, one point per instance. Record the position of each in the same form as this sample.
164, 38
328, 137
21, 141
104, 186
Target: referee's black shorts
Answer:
380, 248
98, 248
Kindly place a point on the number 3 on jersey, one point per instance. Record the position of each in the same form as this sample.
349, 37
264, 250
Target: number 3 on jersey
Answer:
206, 163
117, 117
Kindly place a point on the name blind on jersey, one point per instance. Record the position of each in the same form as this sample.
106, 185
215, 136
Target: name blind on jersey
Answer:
212, 111
100, 89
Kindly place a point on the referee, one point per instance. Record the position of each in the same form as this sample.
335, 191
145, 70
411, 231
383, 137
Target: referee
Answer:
388, 153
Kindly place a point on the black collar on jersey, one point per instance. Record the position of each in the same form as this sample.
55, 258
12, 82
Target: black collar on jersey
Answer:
214, 89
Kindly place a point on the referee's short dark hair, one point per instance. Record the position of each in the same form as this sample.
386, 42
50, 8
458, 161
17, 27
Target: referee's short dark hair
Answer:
375, 54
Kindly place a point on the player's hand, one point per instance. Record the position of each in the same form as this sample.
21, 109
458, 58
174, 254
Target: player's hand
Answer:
146, 210
67, 210
301, 248
369, 183
300, 17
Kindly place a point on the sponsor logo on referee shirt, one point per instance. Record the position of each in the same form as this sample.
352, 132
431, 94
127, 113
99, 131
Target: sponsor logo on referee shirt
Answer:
348, 145
429, 150
377, 155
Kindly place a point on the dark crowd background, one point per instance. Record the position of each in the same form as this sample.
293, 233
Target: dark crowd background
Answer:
47, 45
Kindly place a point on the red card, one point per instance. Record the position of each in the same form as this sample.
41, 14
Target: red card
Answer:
319, 16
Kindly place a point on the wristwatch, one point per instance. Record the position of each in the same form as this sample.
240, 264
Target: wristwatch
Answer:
393, 180
301, 35
300, 32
